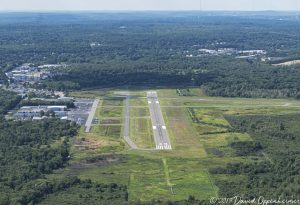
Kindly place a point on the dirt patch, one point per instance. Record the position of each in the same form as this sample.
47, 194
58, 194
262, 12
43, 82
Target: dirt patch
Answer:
216, 152
97, 161
103, 160
289, 63
87, 144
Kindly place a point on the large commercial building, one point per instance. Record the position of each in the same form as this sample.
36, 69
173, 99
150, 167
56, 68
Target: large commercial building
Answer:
27, 112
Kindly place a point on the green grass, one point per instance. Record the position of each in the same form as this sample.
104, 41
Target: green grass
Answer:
139, 112
184, 137
108, 112
149, 178
209, 129
113, 102
90, 93
210, 116
189, 177
108, 131
171, 93
139, 101
141, 132
138, 173
197, 145
109, 121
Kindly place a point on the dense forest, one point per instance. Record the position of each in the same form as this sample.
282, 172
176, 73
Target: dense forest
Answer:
151, 49
8, 100
46, 102
29, 150
278, 175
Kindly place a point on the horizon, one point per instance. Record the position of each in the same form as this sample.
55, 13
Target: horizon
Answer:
149, 5
144, 11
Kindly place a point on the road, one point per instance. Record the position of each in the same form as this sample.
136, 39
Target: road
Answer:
89, 121
161, 137
127, 125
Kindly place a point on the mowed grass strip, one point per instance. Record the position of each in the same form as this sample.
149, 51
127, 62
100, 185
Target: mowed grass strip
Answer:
113, 102
184, 137
139, 112
90, 93
111, 121
108, 131
141, 101
141, 132
107, 112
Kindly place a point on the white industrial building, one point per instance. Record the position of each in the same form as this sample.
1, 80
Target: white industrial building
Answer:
35, 112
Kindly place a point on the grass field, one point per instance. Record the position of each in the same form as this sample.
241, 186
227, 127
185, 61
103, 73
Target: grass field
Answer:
200, 137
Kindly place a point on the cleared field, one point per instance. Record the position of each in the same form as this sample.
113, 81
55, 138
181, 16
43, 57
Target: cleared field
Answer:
173, 93
140, 126
90, 93
91, 144
110, 121
184, 137
138, 173
209, 117
200, 137
142, 112
146, 177
190, 178
109, 131
108, 112
140, 102
113, 101
141, 132
288, 63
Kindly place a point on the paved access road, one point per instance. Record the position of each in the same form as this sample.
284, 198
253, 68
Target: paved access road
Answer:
161, 137
89, 121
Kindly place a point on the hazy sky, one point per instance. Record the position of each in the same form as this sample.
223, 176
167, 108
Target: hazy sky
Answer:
150, 5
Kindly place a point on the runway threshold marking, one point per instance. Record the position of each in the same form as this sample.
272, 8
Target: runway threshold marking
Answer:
161, 137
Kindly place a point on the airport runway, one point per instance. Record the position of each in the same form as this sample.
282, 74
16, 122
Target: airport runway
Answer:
161, 137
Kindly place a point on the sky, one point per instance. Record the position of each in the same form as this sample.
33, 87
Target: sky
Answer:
115, 5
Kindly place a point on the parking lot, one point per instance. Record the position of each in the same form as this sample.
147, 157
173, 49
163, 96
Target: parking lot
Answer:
81, 112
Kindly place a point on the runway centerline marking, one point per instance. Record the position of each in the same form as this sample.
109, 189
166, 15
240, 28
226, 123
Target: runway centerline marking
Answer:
161, 137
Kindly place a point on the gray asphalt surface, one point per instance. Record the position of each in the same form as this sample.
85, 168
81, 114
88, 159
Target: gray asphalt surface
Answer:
80, 113
161, 137
89, 121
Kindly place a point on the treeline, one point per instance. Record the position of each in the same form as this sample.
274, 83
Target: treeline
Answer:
246, 79
8, 100
275, 176
3, 79
29, 150
46, 102
70, 190
150, 49
55, 84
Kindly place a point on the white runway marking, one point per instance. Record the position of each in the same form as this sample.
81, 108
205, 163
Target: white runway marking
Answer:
160, 133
